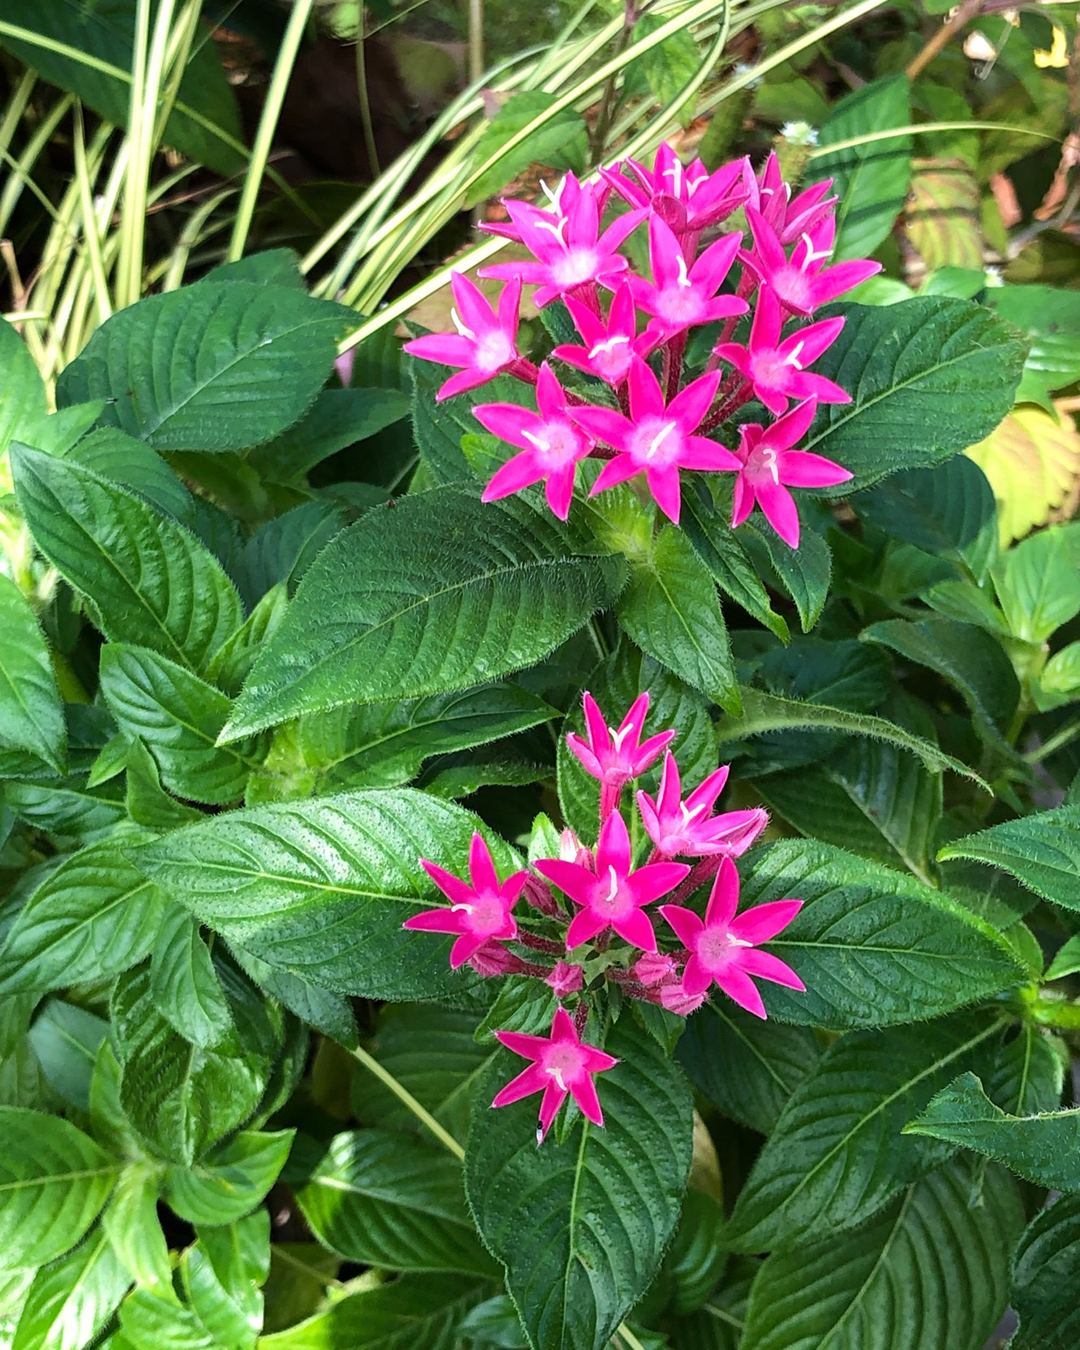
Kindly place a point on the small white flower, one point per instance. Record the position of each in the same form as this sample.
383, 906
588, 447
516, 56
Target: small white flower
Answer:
799, 133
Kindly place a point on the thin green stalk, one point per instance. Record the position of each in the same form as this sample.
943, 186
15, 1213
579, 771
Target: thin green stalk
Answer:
626, 1335
925, 129
16, 106
476, 40
260, 151
129, 267
190, 236
365, 102
90, 221
22, 167
403, 1095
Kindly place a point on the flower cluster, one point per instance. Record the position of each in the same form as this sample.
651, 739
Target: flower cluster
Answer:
587, 922
645, 412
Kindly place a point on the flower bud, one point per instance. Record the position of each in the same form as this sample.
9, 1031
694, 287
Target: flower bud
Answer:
565, 979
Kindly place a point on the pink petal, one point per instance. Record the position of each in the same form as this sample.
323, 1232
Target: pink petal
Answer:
766, 244
723, 307
664, 254
763, 922
670, 794
709, 789
549, 395
583, 928
792, 427
588, 760
467, 945
560, 490
620, 229
615, 471
613, 848
739, 987
636, 929
599, 736
635, 717
805, 384
689, 407
715, 263
843, 277
802, 468
509, 421
621, 316
530, 1080
455, 890
531, 273
520, 472
596, 1061
529, 1047
663, 480
577, 881
768, 967
585, 321
686, 924
583, 1092
435, 921
481, 867
448, 349
780, 511
553, 1098
510, 309
605, 425
511, 888
463, 382
768, 320
656, 879
650, 818
742, 502
701, 453
812, 340
696, 979
724, 896
650, 750
646, 400
735, 356
472, 304
562, 1027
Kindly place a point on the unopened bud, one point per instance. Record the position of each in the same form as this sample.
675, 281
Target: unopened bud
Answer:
565, 979
654, 968
673, 998
493, 959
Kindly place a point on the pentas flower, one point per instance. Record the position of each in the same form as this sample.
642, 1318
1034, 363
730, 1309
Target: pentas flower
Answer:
612, 896
562, 200
770, 467
569, 248
562, 1065
551, 445
777, 370
802, 283
609, 346
486, 342
724, 948
679, 298
478, 912
688, 198
768, 194
686, 827
615, 756
656, 439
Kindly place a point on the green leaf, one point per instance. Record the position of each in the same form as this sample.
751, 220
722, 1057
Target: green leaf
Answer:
204, 124
581, 1224
1038, 586
1028, 1072
803, 572
66, 1040
873, 946
836, 1156
183, 983
393, 1201
871, 179
1043, 1148
31, 714
943, 376
231, 1180
931, 1270
1051, 318
92, 918
284, 548
1042, 851
115, 455
970, 659
146, 800
131, 1224
150, 581
1066, 960
672, 611
22, 393
221, 1276
338, 419
70, 1301
53, 1182
178, 717
1045, 1273
420, 600
65, 808
208, 368
320, 889
418, 1312
327, 1012
731, 569
764, 712
548, 143
669, 65
746, 1067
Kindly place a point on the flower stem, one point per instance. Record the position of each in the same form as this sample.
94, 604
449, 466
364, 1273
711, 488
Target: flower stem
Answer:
539, 944
403, 1095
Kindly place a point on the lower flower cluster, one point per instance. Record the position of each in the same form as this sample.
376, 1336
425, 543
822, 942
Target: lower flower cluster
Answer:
585, 923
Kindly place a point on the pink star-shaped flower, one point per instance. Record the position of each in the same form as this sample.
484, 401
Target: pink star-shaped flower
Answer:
485, 344
802, 283
770, 467
612, 896
724, 949
657, 440
479, 912
568, 246
678, 827
777, 370
687, 198
616, 756
563, 1065
610, 346
679, 298
551, 445
768, 194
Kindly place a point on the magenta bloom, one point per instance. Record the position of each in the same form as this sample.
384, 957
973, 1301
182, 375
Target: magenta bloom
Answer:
657, 440
615, 757
776, 369
478, 913
610, 346
801, 284
486, 343
569, 248
724, 949
678, 298
771, 196
612, 896
687, 198
550, 444
561, 1064
770, 467
678, 827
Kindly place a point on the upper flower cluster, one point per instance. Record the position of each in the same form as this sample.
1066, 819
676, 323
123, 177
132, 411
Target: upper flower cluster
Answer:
601, 898
646, 412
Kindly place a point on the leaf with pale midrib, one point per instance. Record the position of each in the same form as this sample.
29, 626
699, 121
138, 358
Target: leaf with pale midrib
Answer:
31, 714
1042, 851
1045, 1278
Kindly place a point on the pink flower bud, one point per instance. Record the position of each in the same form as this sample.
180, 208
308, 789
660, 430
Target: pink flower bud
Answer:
565, 979
655, 968
676, 1000
493, 959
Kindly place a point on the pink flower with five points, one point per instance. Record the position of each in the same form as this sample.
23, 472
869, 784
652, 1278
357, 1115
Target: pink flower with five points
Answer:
802, 283
562, 1065
771, 196
679, 298
478, 912
612, 896
569, 248
776, 369
485, 344
562, 199
770, 467
688, 198
678, 827
616, 756
657, 440
724, 948
610, 346
551, 445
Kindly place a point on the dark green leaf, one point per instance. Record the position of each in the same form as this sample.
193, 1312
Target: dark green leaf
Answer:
231, 1180
1045, 1273
66, 808
31, 714
284, 548
183, 983
1028, 1072
22, 393
338, 418
548, 143
115, 455
1042, 851
1051, 317
726, 559
66, 1040
1038, 586
803, 572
